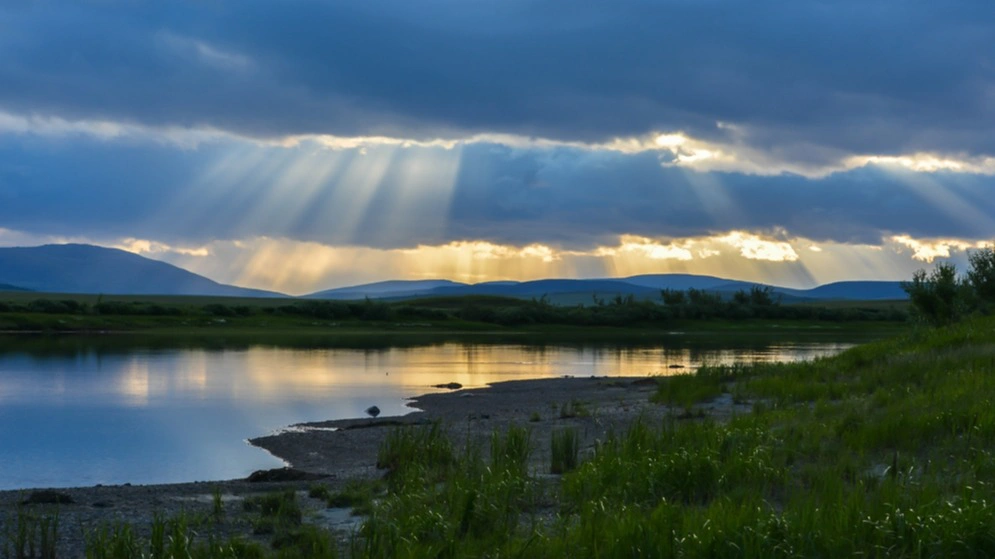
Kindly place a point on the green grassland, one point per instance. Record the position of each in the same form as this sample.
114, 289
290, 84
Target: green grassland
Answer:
21, 312
885, 450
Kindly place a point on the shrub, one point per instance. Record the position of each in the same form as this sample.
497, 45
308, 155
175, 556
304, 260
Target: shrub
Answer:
938, 297
572, 409
981, 276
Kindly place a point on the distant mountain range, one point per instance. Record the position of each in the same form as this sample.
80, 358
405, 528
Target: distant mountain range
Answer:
75, 268
8, 287
92, 269
581, 290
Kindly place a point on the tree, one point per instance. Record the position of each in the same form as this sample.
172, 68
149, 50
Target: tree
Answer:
741, 297
939, 297
672, 297
981, 276
763, 296
700, 297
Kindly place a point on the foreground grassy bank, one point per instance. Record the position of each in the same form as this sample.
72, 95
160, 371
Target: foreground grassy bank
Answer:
883, 451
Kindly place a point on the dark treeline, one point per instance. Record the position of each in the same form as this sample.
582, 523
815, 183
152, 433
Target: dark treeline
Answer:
693, 304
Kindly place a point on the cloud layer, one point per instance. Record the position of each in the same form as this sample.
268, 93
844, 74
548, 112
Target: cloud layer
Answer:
400, 197
803, 81
769, 139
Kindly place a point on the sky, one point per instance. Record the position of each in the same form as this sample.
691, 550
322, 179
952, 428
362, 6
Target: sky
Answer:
300, 145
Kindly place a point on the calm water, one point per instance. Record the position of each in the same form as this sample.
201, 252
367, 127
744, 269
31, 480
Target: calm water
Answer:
75, 414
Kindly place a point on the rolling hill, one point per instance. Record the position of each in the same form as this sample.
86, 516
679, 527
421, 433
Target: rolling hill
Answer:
858, 290
538, 288
75, 268
392, 288
573, 291
8, 287
683, 282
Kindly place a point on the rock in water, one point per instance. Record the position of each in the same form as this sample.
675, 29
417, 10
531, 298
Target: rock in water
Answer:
449, 385
373, 411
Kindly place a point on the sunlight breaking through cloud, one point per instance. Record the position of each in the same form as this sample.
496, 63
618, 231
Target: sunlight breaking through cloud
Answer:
107, 130
928, 163
755, 247
928, 250
737, 152
635, 245
149, 248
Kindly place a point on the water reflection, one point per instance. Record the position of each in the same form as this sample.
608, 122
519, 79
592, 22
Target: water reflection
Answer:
78, 414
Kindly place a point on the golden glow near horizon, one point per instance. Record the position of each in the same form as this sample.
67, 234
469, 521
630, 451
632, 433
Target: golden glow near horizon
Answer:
648, 248
298, 268
301, 267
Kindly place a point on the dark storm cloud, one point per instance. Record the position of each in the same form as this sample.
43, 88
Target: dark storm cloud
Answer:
566, 197
581, 198
807, 80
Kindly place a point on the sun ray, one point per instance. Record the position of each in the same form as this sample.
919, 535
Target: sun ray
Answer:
290, 194
355, 189
424, 181
226, 190
946, 200
713, 197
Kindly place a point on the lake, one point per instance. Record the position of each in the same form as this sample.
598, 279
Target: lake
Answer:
78, 411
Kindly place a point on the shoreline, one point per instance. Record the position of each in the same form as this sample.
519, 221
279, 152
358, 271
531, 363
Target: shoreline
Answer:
333, 453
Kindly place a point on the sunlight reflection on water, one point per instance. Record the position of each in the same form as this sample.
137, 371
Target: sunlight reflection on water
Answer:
155, 416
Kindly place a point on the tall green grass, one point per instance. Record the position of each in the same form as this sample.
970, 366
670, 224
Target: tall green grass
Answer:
510, 450
279, 512
29, 535
564, 451
358, 495
688, 389
467, 507
168, 539
416, 451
